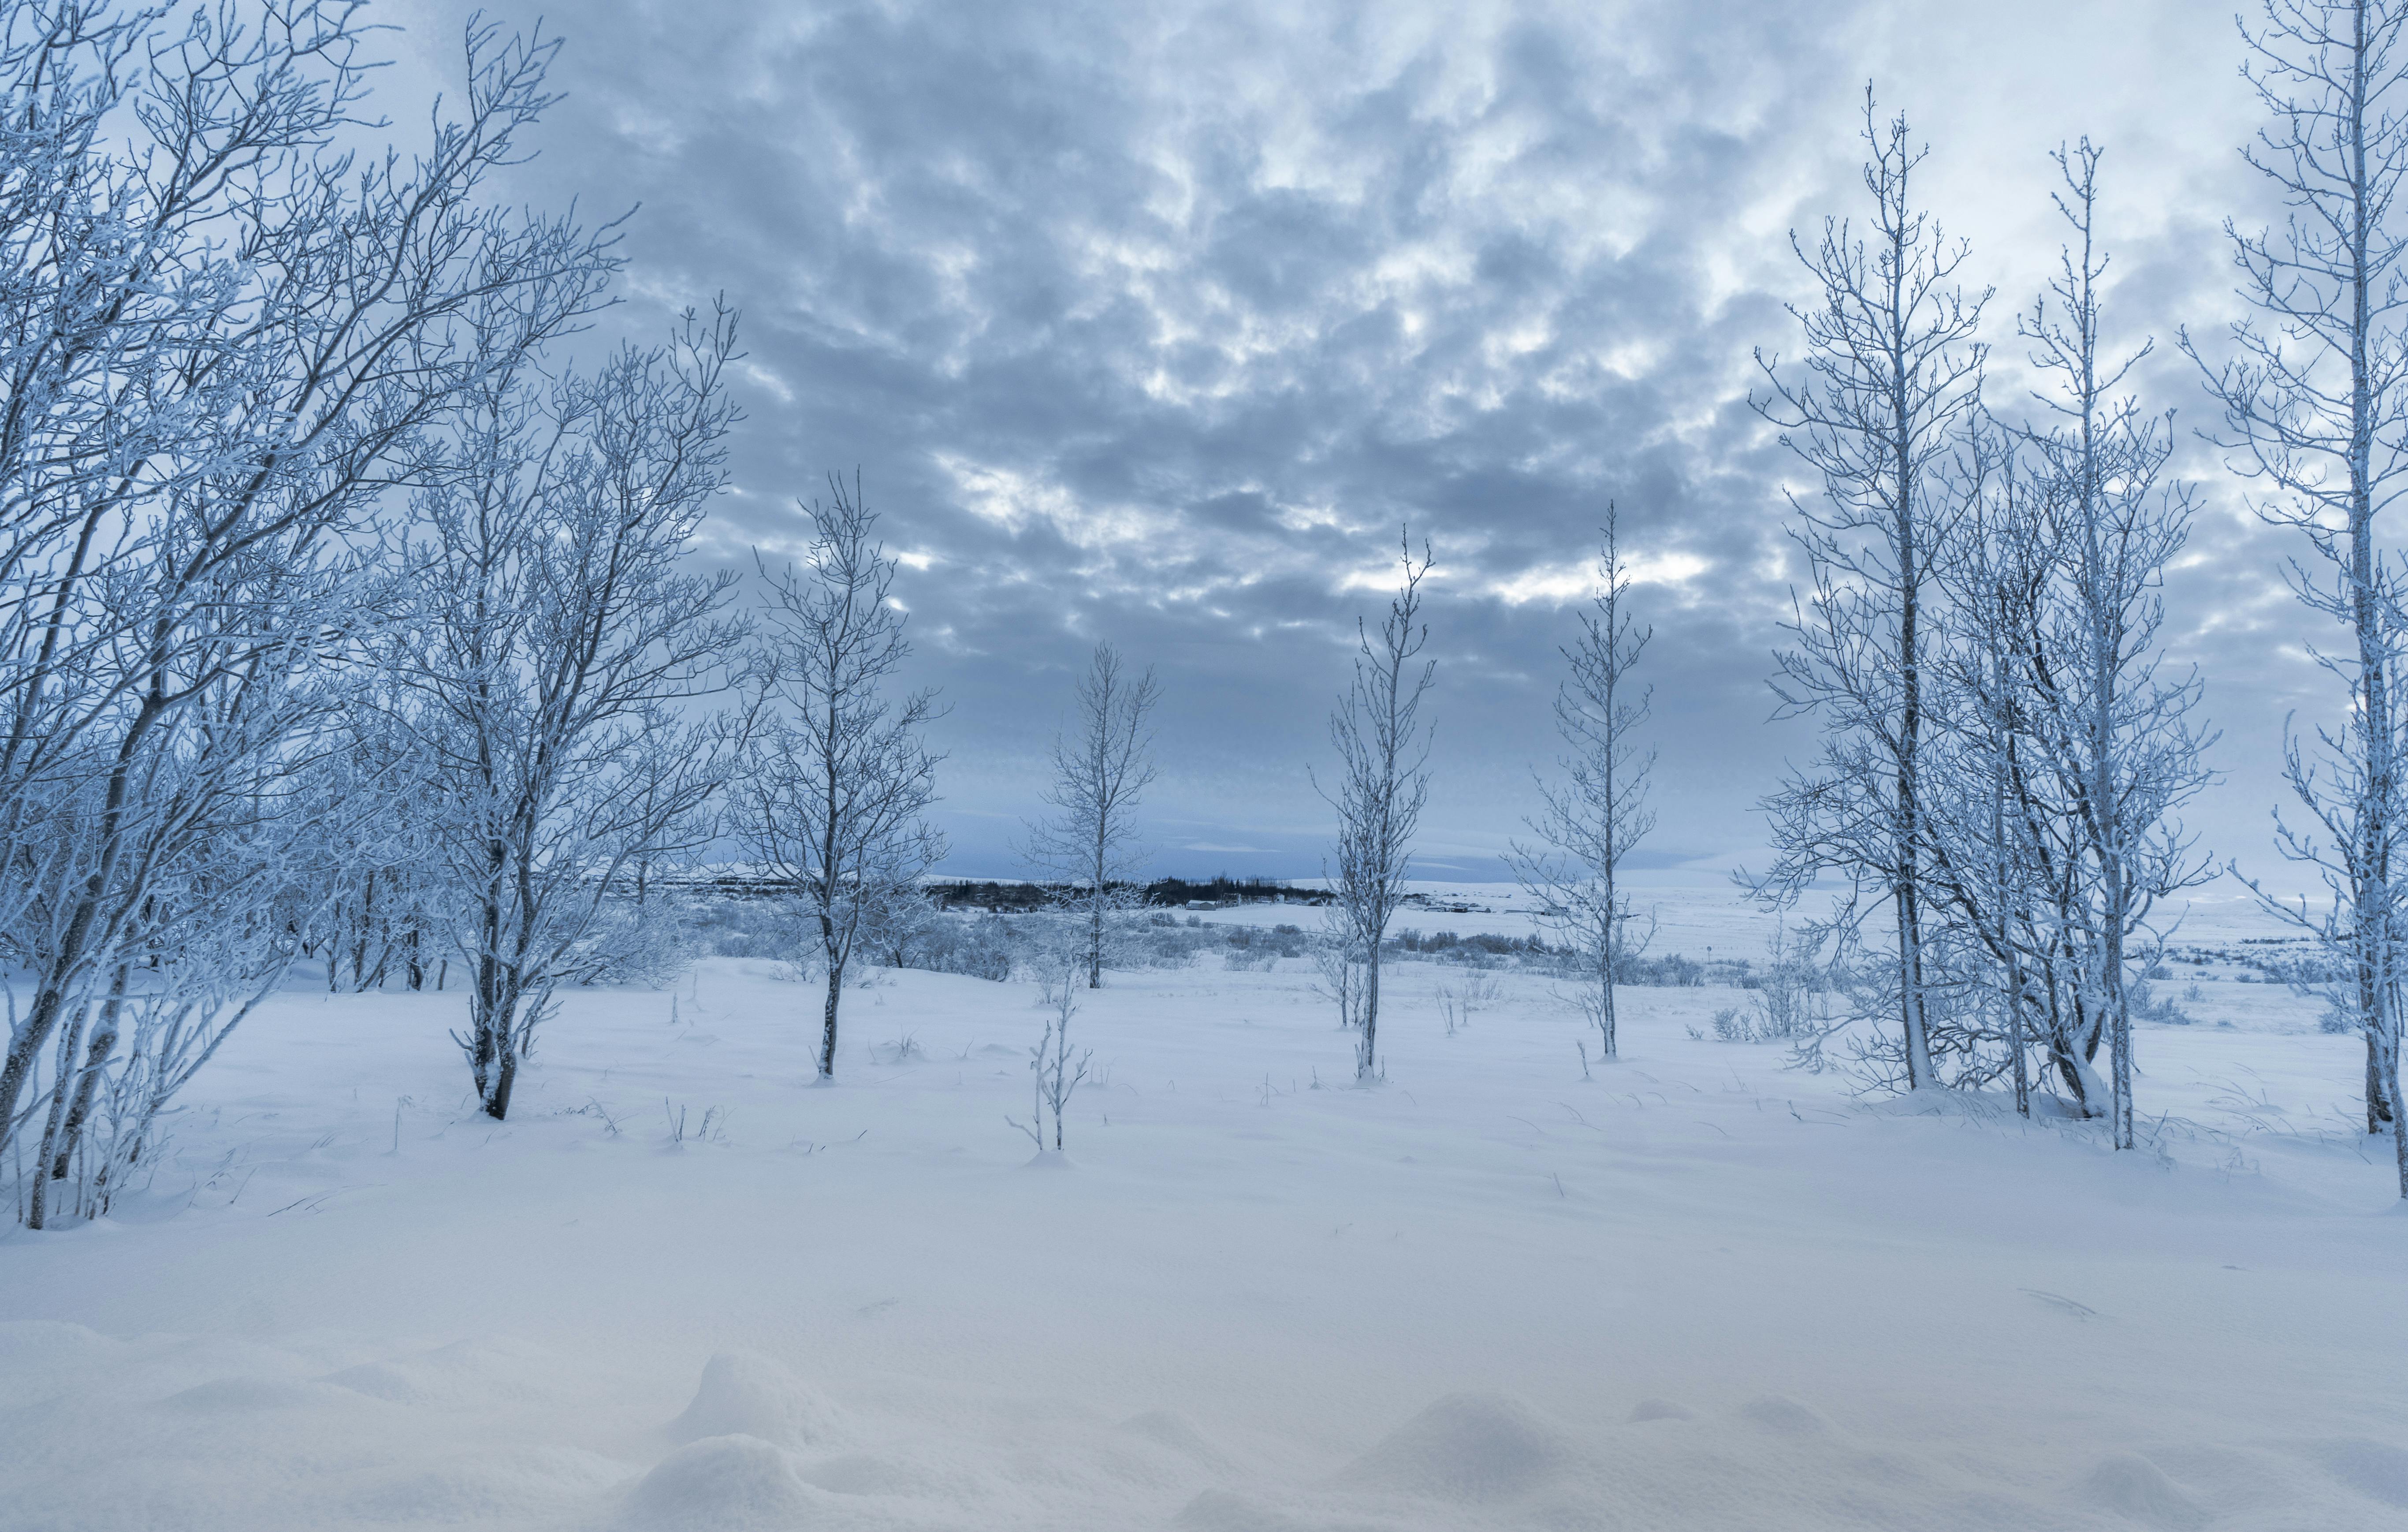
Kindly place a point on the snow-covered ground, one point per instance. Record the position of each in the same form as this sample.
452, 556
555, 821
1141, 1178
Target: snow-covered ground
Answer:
1697, 1291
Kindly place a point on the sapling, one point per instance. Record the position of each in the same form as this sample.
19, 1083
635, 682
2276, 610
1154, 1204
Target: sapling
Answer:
1461, 998
1100, 771
1056, 1072
833, 803
1382, 784
1598, 813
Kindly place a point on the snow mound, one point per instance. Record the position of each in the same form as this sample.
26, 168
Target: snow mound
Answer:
1166, 1429
2140, 1489
1466, 1447
463, 1373
386, 1380
30, 1344
744, 1393
1786, 1416
1647, 1410
732, 1483
2377, 1471
1218, 1511
241, 1396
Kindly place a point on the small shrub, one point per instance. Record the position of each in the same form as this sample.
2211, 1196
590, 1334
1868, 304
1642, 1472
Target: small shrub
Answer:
2143, 1002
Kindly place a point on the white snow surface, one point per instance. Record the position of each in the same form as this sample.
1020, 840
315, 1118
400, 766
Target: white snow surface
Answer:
1698, 1291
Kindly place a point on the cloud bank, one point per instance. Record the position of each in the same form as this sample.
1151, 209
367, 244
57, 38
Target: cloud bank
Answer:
1160, 322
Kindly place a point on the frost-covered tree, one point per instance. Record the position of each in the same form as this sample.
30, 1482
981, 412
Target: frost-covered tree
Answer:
834, 797
224, 335
1100, 772
1598, 813
548, 645
2003, 850
2060, 747
1891, 374
1380, 787
2114, 725
2316, 414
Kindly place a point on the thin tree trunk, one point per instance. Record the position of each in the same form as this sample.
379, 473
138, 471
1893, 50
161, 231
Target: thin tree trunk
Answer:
2118, 1019
38, 1205
827, 1033
1367, 1060
2015, 1029
104, 1042
504, 1076
2391, 1063
1612, 925
1919, 1072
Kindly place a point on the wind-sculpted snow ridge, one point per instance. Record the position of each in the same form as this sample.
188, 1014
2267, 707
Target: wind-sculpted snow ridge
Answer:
1697, 1290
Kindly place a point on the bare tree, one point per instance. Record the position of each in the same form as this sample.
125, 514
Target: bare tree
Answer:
1892, 374
1100, 775
838, 782
548, 648
2315, 409
1382, 782
1592, 820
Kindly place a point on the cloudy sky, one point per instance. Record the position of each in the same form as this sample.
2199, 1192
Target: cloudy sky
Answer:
1153, 322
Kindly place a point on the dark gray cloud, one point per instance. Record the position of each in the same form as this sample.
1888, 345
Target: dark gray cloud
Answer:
1155, 322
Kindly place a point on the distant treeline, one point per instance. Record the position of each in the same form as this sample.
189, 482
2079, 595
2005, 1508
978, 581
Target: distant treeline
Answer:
1171, 893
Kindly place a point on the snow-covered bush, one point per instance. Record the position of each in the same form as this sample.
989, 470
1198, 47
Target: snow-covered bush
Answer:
979, 947
647, 944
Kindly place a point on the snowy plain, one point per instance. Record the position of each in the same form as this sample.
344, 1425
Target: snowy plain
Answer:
1700, 1290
